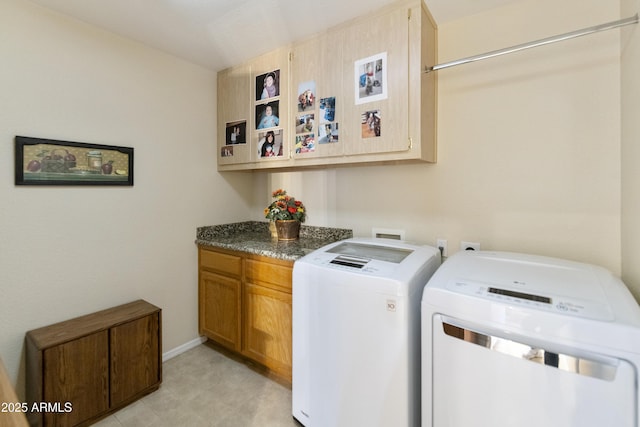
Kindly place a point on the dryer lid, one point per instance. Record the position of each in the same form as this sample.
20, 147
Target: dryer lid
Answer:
536, 282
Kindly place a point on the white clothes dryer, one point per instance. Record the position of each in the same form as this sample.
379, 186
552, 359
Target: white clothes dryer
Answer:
521, 340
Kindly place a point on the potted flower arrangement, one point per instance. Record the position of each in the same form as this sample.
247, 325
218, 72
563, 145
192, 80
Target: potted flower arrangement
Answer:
288, 213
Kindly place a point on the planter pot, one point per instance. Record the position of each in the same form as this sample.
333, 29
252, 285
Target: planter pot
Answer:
288, 229
272, 229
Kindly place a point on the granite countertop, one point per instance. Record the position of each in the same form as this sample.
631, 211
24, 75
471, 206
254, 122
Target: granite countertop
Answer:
254, 237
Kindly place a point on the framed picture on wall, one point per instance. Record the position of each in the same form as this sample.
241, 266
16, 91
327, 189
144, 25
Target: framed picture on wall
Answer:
40, 161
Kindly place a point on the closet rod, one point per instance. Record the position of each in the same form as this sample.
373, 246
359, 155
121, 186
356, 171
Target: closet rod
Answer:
541, 42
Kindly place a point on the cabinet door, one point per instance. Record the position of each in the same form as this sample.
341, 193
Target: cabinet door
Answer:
315, 65
270, 115
376, 73
77, 372
135, 358
267, 326
234, 116
220, 309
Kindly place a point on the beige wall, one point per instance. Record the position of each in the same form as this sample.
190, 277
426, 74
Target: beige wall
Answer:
528, 143
66, 251
630, 88
529, 160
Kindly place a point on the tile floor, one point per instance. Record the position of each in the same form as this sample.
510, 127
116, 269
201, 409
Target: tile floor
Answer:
203, 387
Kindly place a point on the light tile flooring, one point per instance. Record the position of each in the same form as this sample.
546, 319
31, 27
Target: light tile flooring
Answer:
203, 387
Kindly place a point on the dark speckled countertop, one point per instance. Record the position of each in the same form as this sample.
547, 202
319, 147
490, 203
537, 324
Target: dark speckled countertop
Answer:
254, 237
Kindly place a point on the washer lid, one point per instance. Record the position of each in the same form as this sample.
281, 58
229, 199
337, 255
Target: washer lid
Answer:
365, 251
390, 260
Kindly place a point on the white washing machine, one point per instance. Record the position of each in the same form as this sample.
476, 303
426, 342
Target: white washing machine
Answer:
521, 340
356, 333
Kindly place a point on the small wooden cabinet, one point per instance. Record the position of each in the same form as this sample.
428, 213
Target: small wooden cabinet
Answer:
87, 367
245, 306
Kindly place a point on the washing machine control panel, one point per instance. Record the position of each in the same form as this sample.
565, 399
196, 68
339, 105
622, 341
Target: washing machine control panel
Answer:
526, 299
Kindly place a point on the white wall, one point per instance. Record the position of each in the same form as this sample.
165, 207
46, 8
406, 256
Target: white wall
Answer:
528, 145
630, 88
67, 251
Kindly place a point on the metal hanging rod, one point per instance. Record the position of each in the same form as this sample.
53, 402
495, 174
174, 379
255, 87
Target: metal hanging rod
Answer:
541, 42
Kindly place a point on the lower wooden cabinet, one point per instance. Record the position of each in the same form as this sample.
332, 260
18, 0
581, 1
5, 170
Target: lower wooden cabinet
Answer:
75, 374
82, 369
220, 309
135, 358
267, 327
245, 306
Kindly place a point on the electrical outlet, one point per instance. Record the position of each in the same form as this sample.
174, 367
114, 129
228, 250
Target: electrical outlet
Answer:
442, 245
469, 246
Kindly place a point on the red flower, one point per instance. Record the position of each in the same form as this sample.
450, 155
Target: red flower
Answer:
298, 202
292, 209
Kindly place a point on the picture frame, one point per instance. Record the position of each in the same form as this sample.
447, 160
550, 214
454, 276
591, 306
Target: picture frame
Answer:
370, 78
268, 85
267, 115
40, 161
236, 132
306, 96
273, 138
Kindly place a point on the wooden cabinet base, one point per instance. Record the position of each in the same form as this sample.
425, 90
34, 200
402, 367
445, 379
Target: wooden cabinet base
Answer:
245, 307
83, 369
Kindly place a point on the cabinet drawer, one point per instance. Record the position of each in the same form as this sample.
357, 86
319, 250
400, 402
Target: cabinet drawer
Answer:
268, 273
220, 262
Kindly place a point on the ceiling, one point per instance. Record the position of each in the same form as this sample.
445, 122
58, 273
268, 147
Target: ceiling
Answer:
220, 33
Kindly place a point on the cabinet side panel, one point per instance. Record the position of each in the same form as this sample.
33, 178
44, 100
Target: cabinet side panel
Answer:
34, 380
77, 373
428, 88
134, 358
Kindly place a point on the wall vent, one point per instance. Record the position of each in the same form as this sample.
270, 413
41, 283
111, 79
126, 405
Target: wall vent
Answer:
387, 233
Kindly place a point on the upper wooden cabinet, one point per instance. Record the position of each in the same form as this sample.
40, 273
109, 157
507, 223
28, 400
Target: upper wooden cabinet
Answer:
234, 87
352, 94
316, 65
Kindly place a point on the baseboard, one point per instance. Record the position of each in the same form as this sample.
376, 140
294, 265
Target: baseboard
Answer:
182, 348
